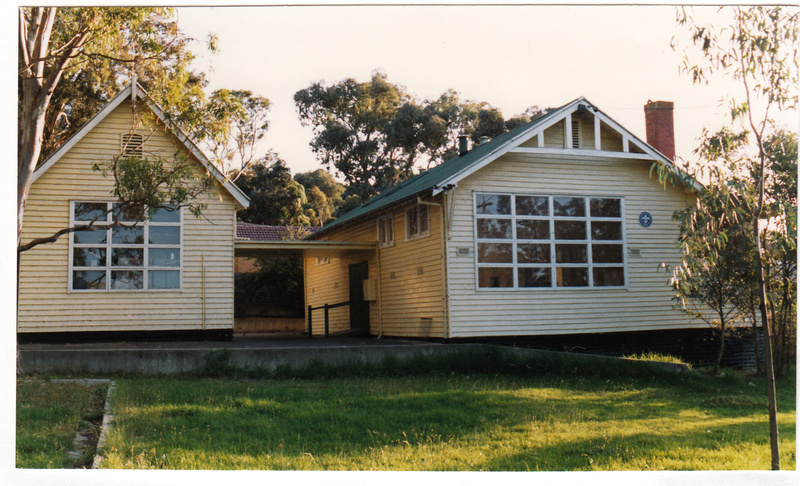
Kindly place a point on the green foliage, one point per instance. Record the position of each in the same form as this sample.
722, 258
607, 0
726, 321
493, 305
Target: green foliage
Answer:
375, 133
234, 124
275, 198
781, 245
349, 120
275, 289
147, 184
323, 193
746, 217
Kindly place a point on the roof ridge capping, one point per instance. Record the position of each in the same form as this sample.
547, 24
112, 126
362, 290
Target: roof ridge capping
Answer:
141, 93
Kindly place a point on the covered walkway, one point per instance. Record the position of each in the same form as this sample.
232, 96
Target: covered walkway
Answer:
305, 249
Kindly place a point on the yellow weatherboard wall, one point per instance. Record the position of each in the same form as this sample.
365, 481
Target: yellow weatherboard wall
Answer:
646, 302
46, 303
410, 290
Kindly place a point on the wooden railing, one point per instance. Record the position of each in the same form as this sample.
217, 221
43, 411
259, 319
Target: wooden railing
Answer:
326, 308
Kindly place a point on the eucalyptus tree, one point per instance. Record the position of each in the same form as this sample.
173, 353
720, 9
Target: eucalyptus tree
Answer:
349, 120
234, 125
275, 197
373, 134
72, 60
759, 50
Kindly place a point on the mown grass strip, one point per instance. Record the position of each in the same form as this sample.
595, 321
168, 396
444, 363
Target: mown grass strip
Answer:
490, 411
49, 414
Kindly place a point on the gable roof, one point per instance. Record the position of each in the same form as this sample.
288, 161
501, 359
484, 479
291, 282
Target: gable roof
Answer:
140, 93
263, 232
447, 174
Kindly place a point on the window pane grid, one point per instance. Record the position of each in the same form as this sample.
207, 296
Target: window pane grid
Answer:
572, 228
120, 258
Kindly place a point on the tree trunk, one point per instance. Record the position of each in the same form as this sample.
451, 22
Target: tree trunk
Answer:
756, 348
718, 362
768, 358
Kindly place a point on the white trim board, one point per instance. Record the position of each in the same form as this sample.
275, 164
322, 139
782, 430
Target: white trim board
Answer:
234, 191
558, 116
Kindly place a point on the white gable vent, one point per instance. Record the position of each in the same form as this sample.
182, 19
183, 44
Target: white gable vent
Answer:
576, 134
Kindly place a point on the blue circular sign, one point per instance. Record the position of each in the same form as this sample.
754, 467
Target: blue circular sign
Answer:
645, 219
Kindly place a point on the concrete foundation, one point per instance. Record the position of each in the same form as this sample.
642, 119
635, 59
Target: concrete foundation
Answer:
169, 358
247, 352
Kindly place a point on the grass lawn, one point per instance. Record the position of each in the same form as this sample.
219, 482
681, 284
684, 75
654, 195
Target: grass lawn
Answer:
48, 417
449, 421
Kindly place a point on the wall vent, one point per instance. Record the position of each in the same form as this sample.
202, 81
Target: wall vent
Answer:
132, 145
576, 134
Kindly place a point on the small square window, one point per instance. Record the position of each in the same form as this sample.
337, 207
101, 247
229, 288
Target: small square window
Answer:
417, 221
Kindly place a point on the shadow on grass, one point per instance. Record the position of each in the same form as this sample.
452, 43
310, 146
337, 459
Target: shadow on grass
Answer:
252, 424
722, 447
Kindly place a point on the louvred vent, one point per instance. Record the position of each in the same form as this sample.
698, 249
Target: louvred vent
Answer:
576, 135
132, 145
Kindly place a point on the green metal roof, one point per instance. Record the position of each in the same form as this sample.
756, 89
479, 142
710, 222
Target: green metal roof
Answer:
429, 179
450, 171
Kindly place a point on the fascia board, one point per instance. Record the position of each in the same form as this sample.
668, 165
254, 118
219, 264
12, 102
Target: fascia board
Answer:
647, 148
237, 193
557, 116
110, 107
550, 120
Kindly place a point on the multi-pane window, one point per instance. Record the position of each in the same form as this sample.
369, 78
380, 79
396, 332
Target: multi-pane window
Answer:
417, 221
143, 255
528, 241
385, 231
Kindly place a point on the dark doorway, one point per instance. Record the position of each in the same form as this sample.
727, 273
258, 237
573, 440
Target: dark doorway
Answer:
359, 308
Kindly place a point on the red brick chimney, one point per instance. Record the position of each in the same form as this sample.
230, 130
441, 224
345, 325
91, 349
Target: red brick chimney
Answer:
660, 126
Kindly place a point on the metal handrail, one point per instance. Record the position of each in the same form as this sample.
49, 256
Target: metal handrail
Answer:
326, 307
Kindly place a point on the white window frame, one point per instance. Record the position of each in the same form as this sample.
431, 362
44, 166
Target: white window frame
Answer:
551, 241
417, 210
145, 268
385, 230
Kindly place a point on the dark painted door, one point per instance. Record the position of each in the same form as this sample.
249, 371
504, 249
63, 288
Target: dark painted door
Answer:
359, 308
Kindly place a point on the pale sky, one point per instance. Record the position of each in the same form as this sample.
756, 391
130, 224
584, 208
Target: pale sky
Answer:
512, 57
509, 56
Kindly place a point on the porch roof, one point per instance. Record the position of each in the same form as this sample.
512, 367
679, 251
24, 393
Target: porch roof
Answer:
300, 248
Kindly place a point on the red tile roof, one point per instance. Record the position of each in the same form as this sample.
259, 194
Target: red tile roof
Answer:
262, 232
